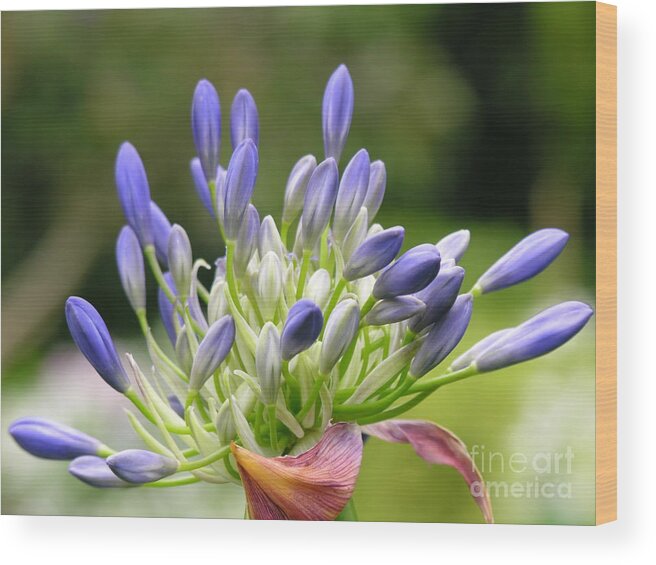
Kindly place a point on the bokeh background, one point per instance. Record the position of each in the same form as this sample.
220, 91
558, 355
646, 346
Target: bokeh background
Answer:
484, 115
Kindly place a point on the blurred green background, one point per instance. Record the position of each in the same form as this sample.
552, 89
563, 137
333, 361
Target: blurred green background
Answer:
484, 116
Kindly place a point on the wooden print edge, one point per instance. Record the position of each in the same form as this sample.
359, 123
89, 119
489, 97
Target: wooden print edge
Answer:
606, 265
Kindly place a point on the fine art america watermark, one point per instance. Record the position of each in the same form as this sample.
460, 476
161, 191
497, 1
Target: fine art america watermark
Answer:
543, 474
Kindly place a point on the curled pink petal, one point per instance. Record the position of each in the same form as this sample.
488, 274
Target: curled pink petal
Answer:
315, 485
439, 446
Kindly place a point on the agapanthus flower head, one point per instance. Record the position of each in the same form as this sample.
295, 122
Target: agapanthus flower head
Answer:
294, 347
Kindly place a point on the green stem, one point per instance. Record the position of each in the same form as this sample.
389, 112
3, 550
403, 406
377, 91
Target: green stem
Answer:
205, 461
333, 302
230, 275
284, 230
312, 398
166, 483
434, 383
273, 429
145, 329
305, 265
348, 514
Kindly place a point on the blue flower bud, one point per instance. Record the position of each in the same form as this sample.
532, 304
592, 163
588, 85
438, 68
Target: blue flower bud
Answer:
302, 328
438, 296
200, 183
166, 309
95, 472
469, 356
528, 258
454, 245
141, 466
244, 123
239, 185
246, 240
129, 259
176, 405
92, 338
268, 363
161, 231
337, 112
375, 253
414, 270
206, 126
376, 189
133, 192
351, 193
180, 260
319, 201
183, 351
443, 337
341, 329
296, 187
212, 351
541, 334
51, 440
394, 310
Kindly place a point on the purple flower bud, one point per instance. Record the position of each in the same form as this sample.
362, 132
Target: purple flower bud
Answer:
319, 201
337, 112
438, 296
133, 192
51, 440
375, 253
454, 245
180, 260
376, 189
161, 231
302, 328
296, 187
244, 123
394, 310
341, 329
541, 334
212, 351
92, 338
166, 310
176, 405
239, 185
129, 259
443, 337
351, 193
141, 466
221, 174
247, 237
206, 126
95, 472
529, 257
200, 183
469, 356
414, 270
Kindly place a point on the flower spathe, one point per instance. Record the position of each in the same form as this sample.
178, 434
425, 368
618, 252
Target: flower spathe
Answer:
309, 332
315, 485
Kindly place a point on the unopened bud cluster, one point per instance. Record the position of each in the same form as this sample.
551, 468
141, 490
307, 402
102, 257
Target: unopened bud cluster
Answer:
319, 318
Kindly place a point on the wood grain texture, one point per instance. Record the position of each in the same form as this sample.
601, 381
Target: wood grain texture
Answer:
606, 349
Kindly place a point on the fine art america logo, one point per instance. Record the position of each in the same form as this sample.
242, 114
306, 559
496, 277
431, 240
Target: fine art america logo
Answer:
542, 474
